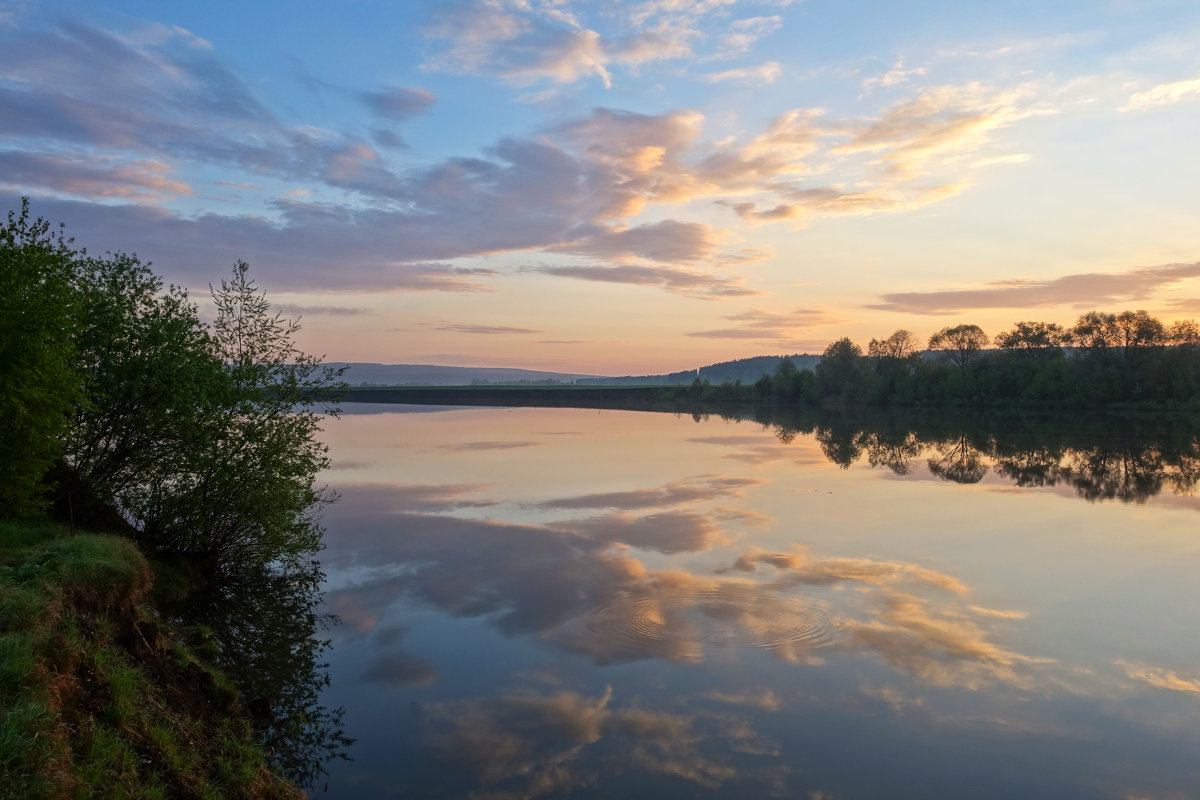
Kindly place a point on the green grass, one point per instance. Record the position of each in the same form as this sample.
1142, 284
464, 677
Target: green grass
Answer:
92, 707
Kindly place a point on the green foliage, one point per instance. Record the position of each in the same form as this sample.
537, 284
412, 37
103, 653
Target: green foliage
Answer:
203, 437
17, 661
239, 489
148, 370
38, 367
198, 440
23, 749
93, 702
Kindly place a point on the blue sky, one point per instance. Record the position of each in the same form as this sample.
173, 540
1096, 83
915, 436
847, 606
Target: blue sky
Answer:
622, 186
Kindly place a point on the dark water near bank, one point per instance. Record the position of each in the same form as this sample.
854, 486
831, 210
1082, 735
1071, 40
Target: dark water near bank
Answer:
575, 603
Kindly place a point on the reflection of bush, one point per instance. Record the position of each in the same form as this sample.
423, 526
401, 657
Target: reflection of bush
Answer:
266, 635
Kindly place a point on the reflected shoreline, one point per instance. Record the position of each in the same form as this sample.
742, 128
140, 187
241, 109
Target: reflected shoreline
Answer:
1125, 457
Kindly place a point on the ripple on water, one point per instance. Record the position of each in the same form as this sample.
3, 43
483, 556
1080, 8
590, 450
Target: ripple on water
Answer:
684, 624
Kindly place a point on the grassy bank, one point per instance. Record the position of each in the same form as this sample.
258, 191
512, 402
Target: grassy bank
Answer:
99, 699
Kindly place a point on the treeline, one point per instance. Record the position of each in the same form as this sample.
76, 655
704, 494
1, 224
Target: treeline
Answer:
1125, 457
123, 409
1104, 360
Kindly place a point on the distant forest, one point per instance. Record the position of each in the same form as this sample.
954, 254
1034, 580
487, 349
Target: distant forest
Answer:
1105, 359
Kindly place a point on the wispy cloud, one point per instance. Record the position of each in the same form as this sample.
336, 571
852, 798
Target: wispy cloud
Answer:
766, 326
484, 330
744, 34
524, 43
765, 699
471, 447
942, 122
1085, 290
761, 75
1161, 677
398, 103
803, 203
669, 241
144, 180
896, 75
673, 279
1164, 94
293, 309
692, 490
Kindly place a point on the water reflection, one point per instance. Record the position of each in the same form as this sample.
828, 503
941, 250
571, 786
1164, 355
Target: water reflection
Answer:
534, 742
1101, 459
266, 632
580, 585
658, 607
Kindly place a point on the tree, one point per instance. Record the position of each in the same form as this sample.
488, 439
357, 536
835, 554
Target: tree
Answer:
244, 494
960, 343
786, 383
1096, 330
842, 374
1034, 337
39, 374
1137, 330
149, 375
900, 344
204, 438
1184, 332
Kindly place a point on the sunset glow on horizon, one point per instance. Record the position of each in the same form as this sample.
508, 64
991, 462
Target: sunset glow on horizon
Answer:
611, 187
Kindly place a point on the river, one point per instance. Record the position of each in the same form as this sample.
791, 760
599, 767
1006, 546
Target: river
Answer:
596, 604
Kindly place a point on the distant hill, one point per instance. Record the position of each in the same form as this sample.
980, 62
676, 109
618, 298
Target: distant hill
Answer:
359, 374
746, 370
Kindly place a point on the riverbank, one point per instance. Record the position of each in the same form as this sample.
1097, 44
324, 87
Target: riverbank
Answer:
101, 698
734, 400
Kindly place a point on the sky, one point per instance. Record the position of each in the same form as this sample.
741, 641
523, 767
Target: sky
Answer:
621, 186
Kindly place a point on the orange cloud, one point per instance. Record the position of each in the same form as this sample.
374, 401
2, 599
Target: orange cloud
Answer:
1085, 290
1161, 677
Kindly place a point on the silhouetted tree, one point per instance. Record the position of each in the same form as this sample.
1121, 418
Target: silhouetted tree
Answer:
1137, 331
1096, 330
842, 376
1184, 332
961, 343
1042, 338
900, 344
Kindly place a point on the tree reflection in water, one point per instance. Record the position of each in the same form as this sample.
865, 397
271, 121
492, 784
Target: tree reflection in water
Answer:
1129, 460
958, 460
266, 632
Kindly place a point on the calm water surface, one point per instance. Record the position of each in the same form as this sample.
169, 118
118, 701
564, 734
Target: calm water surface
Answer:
573, 603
